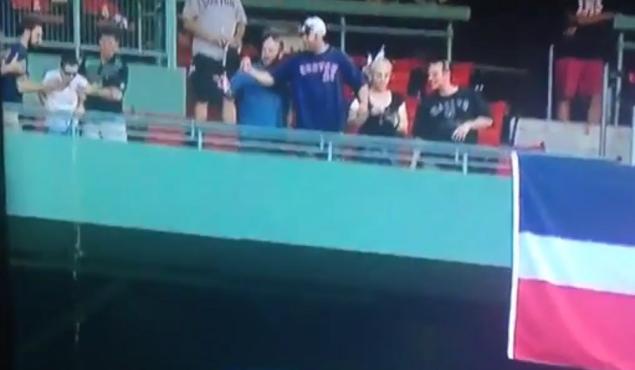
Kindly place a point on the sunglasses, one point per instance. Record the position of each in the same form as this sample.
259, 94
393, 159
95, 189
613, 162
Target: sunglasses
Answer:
69, 74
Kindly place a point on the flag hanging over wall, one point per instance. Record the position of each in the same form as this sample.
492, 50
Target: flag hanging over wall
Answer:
573, 287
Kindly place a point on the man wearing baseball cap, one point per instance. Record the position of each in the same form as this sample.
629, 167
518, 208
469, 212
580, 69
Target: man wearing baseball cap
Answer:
315, 77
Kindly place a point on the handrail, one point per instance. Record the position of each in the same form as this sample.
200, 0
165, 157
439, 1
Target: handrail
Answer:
624, 22
322, 145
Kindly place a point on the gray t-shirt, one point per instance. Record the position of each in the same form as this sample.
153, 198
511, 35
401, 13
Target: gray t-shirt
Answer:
218, 17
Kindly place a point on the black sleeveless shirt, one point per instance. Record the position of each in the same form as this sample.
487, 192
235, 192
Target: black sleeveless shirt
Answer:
386, 123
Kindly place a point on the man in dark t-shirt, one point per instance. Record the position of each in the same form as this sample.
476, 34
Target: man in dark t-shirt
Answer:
584, 46
450, 113
14, 68
108, 78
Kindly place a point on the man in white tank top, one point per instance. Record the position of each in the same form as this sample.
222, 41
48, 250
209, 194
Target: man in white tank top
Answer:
64, 105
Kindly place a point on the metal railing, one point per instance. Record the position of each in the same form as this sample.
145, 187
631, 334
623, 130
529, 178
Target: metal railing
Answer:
395, 152
74, 25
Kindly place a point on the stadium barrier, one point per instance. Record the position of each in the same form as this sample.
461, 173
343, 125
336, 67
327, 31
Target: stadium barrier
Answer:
410, 154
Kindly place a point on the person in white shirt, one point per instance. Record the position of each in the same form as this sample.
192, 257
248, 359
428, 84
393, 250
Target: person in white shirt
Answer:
65, 105
218, 27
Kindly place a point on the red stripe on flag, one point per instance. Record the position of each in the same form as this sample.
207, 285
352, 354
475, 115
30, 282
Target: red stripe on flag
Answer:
574, 327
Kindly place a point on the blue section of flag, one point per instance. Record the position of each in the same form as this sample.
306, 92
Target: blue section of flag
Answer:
584, 200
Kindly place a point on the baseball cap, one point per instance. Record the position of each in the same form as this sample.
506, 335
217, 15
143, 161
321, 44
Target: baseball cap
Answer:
313, 25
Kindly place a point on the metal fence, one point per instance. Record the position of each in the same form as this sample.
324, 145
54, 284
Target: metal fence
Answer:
311, 145
75, 24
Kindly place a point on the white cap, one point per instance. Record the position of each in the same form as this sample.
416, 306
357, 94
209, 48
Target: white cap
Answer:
314, 25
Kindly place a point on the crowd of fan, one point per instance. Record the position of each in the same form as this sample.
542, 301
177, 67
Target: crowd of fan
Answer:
304, 90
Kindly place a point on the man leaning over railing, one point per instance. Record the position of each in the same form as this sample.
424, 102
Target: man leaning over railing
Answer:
246, 102
108, 78
67, 105
14, 69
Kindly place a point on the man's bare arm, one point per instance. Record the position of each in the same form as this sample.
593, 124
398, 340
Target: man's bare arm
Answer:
263, 77
480, 123
14, 67
26, 86
229, 111
109, 93
362, 96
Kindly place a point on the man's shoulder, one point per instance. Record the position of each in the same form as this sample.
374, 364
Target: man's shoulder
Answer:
19, 50
54, 73
80, 80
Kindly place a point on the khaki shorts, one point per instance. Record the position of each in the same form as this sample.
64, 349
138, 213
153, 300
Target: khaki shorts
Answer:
11, 120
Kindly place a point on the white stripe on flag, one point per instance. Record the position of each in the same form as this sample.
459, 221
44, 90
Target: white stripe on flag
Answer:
577, 264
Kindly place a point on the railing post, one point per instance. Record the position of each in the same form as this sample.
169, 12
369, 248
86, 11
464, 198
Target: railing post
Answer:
170, 32
77, 27
618, 83
139, 27
343, 33
465, 161
330, 152
450, 41
603, 123
199, 139
550, 84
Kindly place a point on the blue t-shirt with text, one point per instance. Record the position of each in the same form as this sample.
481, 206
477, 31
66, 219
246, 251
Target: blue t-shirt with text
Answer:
316, 82
257, 105
10, 92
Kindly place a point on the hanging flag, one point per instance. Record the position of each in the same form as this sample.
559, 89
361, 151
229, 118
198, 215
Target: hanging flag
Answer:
573, 279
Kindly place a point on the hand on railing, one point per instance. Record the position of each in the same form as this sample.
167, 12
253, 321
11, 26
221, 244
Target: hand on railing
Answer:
461, 132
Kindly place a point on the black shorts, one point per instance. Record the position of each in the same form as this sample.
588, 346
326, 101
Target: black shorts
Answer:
204, 79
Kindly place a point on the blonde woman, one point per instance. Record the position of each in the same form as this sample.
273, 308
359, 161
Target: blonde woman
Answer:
387, 114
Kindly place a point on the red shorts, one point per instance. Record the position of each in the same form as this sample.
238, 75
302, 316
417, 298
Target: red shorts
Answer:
579, 77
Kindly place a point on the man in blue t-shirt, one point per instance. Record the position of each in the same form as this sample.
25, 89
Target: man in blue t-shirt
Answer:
316, 77
249, 103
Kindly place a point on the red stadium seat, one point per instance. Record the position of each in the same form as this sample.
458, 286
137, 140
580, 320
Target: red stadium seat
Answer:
462, 73
165, 136
184, 50
359, 60
407, 64
31, 5
399, 82
98, 7
491, 136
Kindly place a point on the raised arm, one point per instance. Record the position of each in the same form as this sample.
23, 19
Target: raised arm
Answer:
264, 78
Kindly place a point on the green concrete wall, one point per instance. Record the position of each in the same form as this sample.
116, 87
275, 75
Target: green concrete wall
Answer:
344, 206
